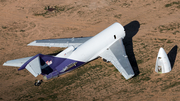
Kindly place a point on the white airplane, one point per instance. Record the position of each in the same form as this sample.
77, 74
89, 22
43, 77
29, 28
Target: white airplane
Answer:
107, 44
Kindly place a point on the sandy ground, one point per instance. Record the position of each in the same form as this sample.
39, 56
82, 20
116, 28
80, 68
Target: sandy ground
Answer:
23, 21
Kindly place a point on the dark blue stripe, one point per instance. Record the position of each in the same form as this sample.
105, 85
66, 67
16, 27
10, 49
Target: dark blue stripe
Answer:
43, 59
56, 67
62, 66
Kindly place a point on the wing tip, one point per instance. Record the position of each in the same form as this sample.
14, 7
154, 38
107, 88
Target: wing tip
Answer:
9, 64
5, 64
129, 76
32, 43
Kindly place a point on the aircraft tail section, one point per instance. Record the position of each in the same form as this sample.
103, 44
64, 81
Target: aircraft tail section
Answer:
41, 64
34, 67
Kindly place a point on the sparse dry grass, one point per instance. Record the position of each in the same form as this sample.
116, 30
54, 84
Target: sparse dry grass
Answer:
96, 80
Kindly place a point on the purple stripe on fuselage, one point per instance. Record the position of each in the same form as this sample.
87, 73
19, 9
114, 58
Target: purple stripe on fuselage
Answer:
55, 61
53, 66
67, 63
26, 63
62, 66
44, 59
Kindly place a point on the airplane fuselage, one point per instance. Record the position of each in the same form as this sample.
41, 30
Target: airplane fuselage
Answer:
90, 49
100, 42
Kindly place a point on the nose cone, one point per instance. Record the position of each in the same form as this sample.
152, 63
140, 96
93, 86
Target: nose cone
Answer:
162, 62
161, 52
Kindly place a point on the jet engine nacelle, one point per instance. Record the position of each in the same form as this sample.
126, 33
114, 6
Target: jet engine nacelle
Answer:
51, 75
66, 52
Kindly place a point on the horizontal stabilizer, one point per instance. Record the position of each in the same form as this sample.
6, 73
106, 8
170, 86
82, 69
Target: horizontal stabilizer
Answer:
16, 62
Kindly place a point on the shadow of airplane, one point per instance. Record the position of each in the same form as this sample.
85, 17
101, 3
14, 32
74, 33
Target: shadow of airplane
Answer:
131, 29
172, 55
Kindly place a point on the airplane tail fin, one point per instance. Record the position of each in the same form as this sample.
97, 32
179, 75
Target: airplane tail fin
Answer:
41, 64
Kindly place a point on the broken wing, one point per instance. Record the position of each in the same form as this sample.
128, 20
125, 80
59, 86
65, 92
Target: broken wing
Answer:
117, 56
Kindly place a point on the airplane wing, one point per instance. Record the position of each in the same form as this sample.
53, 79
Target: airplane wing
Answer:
117, 56
64, 42
16, 62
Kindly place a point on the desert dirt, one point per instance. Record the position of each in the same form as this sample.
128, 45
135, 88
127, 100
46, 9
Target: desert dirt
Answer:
23, 21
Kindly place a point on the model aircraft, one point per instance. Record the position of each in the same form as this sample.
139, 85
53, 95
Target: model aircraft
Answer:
107, 44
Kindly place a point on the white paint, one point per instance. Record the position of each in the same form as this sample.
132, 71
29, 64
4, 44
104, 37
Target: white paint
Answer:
34, 67
67, 52
106, 44
162, 62
98, 44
